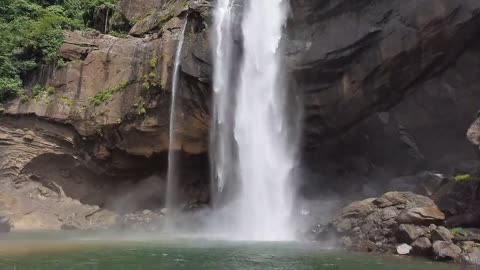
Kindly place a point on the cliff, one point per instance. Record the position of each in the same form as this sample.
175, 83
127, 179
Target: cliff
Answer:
388, 89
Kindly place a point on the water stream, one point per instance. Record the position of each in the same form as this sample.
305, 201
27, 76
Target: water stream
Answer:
172, 174
262, 163
223, 157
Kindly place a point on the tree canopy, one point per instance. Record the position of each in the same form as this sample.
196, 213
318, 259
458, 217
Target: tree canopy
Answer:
32, 32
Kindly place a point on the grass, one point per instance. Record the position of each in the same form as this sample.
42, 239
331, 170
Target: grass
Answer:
458, 231
463, 177
107, 94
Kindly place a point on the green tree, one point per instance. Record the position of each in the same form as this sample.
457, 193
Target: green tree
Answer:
32, 32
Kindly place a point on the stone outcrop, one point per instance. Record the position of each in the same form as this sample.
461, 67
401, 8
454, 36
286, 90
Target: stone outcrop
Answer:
375, 225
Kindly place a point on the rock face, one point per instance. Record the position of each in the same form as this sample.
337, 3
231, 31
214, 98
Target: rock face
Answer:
95, 136
401, 73
353, 69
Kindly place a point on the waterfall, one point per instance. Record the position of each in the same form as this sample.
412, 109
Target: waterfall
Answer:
172, 174
264, 155
222, 151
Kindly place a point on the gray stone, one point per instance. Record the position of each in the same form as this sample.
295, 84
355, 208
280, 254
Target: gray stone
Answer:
5, 224
421, 215
422, 246
472, 257
446, 250
404, 249
441, 234
407, 233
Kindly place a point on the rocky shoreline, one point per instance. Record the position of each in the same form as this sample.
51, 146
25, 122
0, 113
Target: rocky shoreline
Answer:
405, 223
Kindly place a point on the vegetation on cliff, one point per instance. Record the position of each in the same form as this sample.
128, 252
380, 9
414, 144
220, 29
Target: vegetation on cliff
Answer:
32, 32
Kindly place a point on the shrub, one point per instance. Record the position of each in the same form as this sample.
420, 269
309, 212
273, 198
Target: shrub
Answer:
106, 94
463, 177
458, 231
32, 31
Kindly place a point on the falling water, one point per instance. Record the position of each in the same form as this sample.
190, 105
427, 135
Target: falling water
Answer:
222, 119
172, 175
265, 157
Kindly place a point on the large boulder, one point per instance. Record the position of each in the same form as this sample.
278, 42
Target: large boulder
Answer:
421, 215
441, 234
376, 221
407, 233
472, 257
446, 251
422, 246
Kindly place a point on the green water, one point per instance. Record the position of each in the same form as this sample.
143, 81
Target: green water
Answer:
74, 253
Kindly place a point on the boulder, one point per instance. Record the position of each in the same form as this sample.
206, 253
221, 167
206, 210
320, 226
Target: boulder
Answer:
407, 233
472, 257
376, 220
467, 246
421, 215
422, 246
404, 249
5, 226
473, 134
446, 250
441, 234
467, 235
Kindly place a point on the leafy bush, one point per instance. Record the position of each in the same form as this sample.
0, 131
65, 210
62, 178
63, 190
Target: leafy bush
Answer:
32, 32
463, 178
458, 231
106, 94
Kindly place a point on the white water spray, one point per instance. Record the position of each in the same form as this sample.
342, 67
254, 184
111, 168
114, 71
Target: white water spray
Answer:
172, 174
222, 118
265, 155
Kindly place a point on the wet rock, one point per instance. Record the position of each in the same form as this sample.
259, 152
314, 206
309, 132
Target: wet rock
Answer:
422, 246
69, 227
421, 215
404, 249
446, 250
473, 134
466, 246
467, 235
441, 234
5, 226
407, 233
472, 257
143, 221
376, 220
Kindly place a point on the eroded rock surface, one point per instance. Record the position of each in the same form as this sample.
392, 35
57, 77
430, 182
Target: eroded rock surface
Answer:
375, 224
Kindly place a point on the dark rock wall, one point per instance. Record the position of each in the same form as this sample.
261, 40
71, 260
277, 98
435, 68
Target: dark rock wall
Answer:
389, 88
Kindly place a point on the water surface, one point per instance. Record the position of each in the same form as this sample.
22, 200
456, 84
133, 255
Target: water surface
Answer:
78, 252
